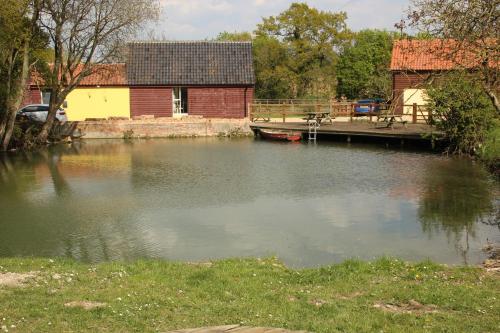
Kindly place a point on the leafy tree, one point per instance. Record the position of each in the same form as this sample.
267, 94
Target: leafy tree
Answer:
84, 33
20, 38
308, 40
272, 73
226, 36
270, 64
465, 110
363, 67
473, 25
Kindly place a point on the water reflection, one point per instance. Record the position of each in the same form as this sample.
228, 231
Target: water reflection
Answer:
42, 212
213, 198
455, 198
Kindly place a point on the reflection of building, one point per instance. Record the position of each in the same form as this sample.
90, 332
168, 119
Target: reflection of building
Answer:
164, 79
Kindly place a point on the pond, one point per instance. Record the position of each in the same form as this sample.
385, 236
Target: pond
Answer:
202, 199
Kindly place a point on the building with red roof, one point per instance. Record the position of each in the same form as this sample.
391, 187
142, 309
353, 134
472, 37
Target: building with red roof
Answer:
414, 61
164, 79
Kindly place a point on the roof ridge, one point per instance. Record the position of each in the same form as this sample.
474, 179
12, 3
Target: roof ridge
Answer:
188, 42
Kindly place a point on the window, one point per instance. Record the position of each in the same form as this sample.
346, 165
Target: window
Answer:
180, 101
45, 97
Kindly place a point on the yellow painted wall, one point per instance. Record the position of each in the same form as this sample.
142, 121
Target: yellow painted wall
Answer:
411, 96
98, 103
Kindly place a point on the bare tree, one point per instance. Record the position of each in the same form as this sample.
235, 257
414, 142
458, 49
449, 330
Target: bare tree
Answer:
469, 30
84, 33
18, 25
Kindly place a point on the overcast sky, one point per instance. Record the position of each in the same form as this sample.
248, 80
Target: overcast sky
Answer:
200, 19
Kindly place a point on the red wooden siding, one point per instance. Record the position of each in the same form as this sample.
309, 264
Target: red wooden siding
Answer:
402, 81
219, 102
155, 101
32, 96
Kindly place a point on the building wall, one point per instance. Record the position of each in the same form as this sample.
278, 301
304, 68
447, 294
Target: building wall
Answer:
165, 127
402, 81
32, 96
155, 101
103, 102
219, 102
413, 96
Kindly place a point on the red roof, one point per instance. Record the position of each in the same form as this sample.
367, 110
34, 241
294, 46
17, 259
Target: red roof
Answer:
431, 55
102, 75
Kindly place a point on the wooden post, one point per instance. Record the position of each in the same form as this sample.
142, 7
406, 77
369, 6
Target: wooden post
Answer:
429, 116
414, 113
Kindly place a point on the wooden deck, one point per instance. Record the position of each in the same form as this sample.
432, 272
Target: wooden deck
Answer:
357, 128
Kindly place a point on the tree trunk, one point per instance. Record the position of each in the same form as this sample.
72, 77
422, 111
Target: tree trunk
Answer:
8, 93
55, 102
3, 123
494, 99
15, 98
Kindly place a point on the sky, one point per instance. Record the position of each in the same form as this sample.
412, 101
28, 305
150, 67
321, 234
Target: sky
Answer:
202, 19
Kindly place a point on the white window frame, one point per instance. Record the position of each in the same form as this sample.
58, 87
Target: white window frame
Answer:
177, 110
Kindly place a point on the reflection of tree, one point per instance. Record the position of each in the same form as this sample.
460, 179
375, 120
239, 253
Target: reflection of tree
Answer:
455, 197
58, 219
494, 218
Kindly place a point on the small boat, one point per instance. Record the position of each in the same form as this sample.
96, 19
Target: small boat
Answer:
280, 135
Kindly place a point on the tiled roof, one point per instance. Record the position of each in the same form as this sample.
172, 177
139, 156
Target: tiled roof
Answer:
190, 63
106, 75
102, 75
430, 55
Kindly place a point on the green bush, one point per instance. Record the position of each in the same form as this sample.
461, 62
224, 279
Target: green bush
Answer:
466, 111
490, 153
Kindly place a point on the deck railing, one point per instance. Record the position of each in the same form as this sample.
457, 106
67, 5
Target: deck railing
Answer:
283, 109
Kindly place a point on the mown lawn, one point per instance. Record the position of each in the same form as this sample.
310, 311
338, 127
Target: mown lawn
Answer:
148, 296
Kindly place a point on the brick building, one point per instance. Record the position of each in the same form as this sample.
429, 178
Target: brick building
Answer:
209, 79
164, 79
414, 61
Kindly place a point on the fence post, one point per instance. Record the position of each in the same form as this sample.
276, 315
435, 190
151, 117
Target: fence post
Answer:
429, 115
414, 113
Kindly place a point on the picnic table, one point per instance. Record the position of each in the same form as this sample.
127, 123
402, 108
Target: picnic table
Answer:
318, 116
391, 119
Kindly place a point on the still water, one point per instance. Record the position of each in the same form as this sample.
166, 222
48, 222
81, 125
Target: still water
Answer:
200, 199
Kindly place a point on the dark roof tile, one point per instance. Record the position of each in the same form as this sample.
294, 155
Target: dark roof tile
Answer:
190, 63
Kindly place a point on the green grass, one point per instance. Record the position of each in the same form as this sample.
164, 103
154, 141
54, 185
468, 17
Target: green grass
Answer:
150, 296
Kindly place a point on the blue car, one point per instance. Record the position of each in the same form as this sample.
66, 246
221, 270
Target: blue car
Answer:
368, 105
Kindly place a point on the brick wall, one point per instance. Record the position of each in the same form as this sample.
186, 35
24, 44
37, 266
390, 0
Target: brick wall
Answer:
155, 101
32, 96
163, 127
219, 102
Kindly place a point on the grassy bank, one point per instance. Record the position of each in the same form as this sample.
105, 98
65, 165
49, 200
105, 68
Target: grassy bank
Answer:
149, 296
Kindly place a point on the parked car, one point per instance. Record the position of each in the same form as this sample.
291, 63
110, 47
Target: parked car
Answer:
368, 105
39, 112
